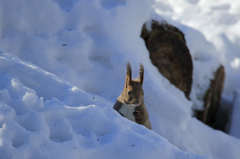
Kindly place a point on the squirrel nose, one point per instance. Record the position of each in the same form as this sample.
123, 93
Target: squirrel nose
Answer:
137, 101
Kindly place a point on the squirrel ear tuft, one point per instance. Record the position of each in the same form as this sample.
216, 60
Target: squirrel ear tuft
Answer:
129, 75
141, 73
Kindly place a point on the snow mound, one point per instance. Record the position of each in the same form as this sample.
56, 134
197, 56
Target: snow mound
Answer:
33, 128
234, 123
45, 84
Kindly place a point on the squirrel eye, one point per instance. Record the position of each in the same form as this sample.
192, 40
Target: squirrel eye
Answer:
129, 92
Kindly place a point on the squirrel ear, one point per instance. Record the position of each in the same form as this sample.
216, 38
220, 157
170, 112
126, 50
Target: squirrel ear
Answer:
129, 75
141, 73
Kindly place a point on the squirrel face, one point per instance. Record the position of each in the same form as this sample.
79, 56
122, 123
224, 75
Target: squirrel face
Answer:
132, 94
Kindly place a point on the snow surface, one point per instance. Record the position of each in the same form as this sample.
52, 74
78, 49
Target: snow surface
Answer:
68, 68
34, 128
235, 118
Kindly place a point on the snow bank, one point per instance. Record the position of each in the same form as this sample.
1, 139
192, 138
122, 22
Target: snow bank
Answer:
87, 43
32, 128
235, 118
45, 84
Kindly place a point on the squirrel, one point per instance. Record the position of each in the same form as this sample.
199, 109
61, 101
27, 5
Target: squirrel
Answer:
130, 103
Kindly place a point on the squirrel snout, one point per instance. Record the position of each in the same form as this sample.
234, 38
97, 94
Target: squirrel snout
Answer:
137, 101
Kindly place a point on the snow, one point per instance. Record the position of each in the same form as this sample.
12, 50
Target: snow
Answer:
34, 128
235, 126
62, 67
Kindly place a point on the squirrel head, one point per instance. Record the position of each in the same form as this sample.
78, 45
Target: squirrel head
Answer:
133, 93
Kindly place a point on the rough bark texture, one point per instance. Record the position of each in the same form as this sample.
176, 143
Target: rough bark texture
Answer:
212, 98
169, 53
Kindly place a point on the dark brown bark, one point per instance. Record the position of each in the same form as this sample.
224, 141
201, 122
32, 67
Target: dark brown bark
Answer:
212, 98
169, 53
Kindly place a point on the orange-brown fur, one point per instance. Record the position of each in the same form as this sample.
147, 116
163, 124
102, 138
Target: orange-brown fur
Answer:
131, 99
